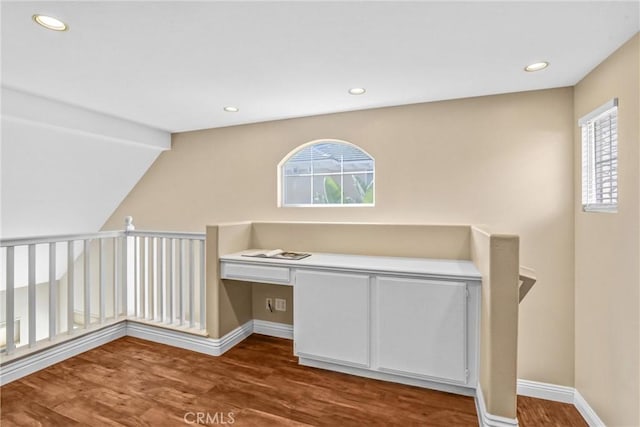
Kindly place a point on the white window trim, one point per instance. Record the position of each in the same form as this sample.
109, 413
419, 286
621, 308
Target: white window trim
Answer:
598, 112
586, 156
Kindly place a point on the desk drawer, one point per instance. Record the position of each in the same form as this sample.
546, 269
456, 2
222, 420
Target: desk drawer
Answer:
257, 273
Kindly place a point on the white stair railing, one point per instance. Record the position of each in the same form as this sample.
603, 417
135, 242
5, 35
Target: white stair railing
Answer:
65, 285
168, 278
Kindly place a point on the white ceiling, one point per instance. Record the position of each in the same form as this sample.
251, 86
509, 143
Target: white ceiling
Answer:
175, 65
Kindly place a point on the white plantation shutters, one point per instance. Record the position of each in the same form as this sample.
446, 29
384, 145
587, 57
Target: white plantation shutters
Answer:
600, 158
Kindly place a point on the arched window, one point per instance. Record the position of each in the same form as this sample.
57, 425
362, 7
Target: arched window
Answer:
326, 173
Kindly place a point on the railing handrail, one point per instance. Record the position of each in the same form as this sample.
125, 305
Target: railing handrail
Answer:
168, 234
36, 240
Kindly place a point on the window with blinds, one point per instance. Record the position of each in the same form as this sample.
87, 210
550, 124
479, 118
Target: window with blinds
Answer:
600, 158
326, 173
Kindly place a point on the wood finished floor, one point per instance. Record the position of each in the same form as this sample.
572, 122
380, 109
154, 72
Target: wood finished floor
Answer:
133, 382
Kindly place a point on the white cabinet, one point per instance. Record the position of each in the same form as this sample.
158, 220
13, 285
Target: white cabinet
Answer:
421, 328
331, 317
404, 327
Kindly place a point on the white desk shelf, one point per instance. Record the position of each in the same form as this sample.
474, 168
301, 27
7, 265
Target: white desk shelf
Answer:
409, 320
436, 268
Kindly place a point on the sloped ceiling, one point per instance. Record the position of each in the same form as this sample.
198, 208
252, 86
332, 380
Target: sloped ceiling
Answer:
65, 169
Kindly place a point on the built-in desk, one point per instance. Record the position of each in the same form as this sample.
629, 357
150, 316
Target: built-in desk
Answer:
409, 320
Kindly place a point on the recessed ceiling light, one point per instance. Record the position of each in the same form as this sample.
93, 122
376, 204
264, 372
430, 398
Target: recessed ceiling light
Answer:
537, 66
357, 90
50, 22
231, 109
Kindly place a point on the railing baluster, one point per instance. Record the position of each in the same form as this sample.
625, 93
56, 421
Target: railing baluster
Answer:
103, 279
53, 291
143, 276
10, 301
70, 285
192, 269
151, 265
170, 281
185, 281
87, 283
116, 279
160, 277
136, 274
32, 295
179, 277
125, 279
203, 299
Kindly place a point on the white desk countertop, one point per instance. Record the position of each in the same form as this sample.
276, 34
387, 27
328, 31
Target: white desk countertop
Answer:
458, 269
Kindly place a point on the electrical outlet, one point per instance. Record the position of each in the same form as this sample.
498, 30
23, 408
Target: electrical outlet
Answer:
281, 304
269, 304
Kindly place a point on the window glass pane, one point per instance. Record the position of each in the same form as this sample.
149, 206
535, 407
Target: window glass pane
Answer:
297, 190
327, 189
327, 165
358, 165
358, 188
299, 163
327, 158
297, 168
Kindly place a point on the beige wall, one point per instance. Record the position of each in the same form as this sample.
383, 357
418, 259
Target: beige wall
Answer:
503, 160
607, 254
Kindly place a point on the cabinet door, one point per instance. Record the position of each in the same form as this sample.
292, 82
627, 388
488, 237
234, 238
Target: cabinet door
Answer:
331, 317
422, 328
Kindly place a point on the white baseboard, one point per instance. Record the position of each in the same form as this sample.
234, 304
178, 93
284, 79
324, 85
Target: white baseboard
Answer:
273, 329
587, 411
210, 346
486, 419
24, 366
558, 393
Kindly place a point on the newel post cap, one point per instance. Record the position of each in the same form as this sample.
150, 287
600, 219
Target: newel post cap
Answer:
128, 223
